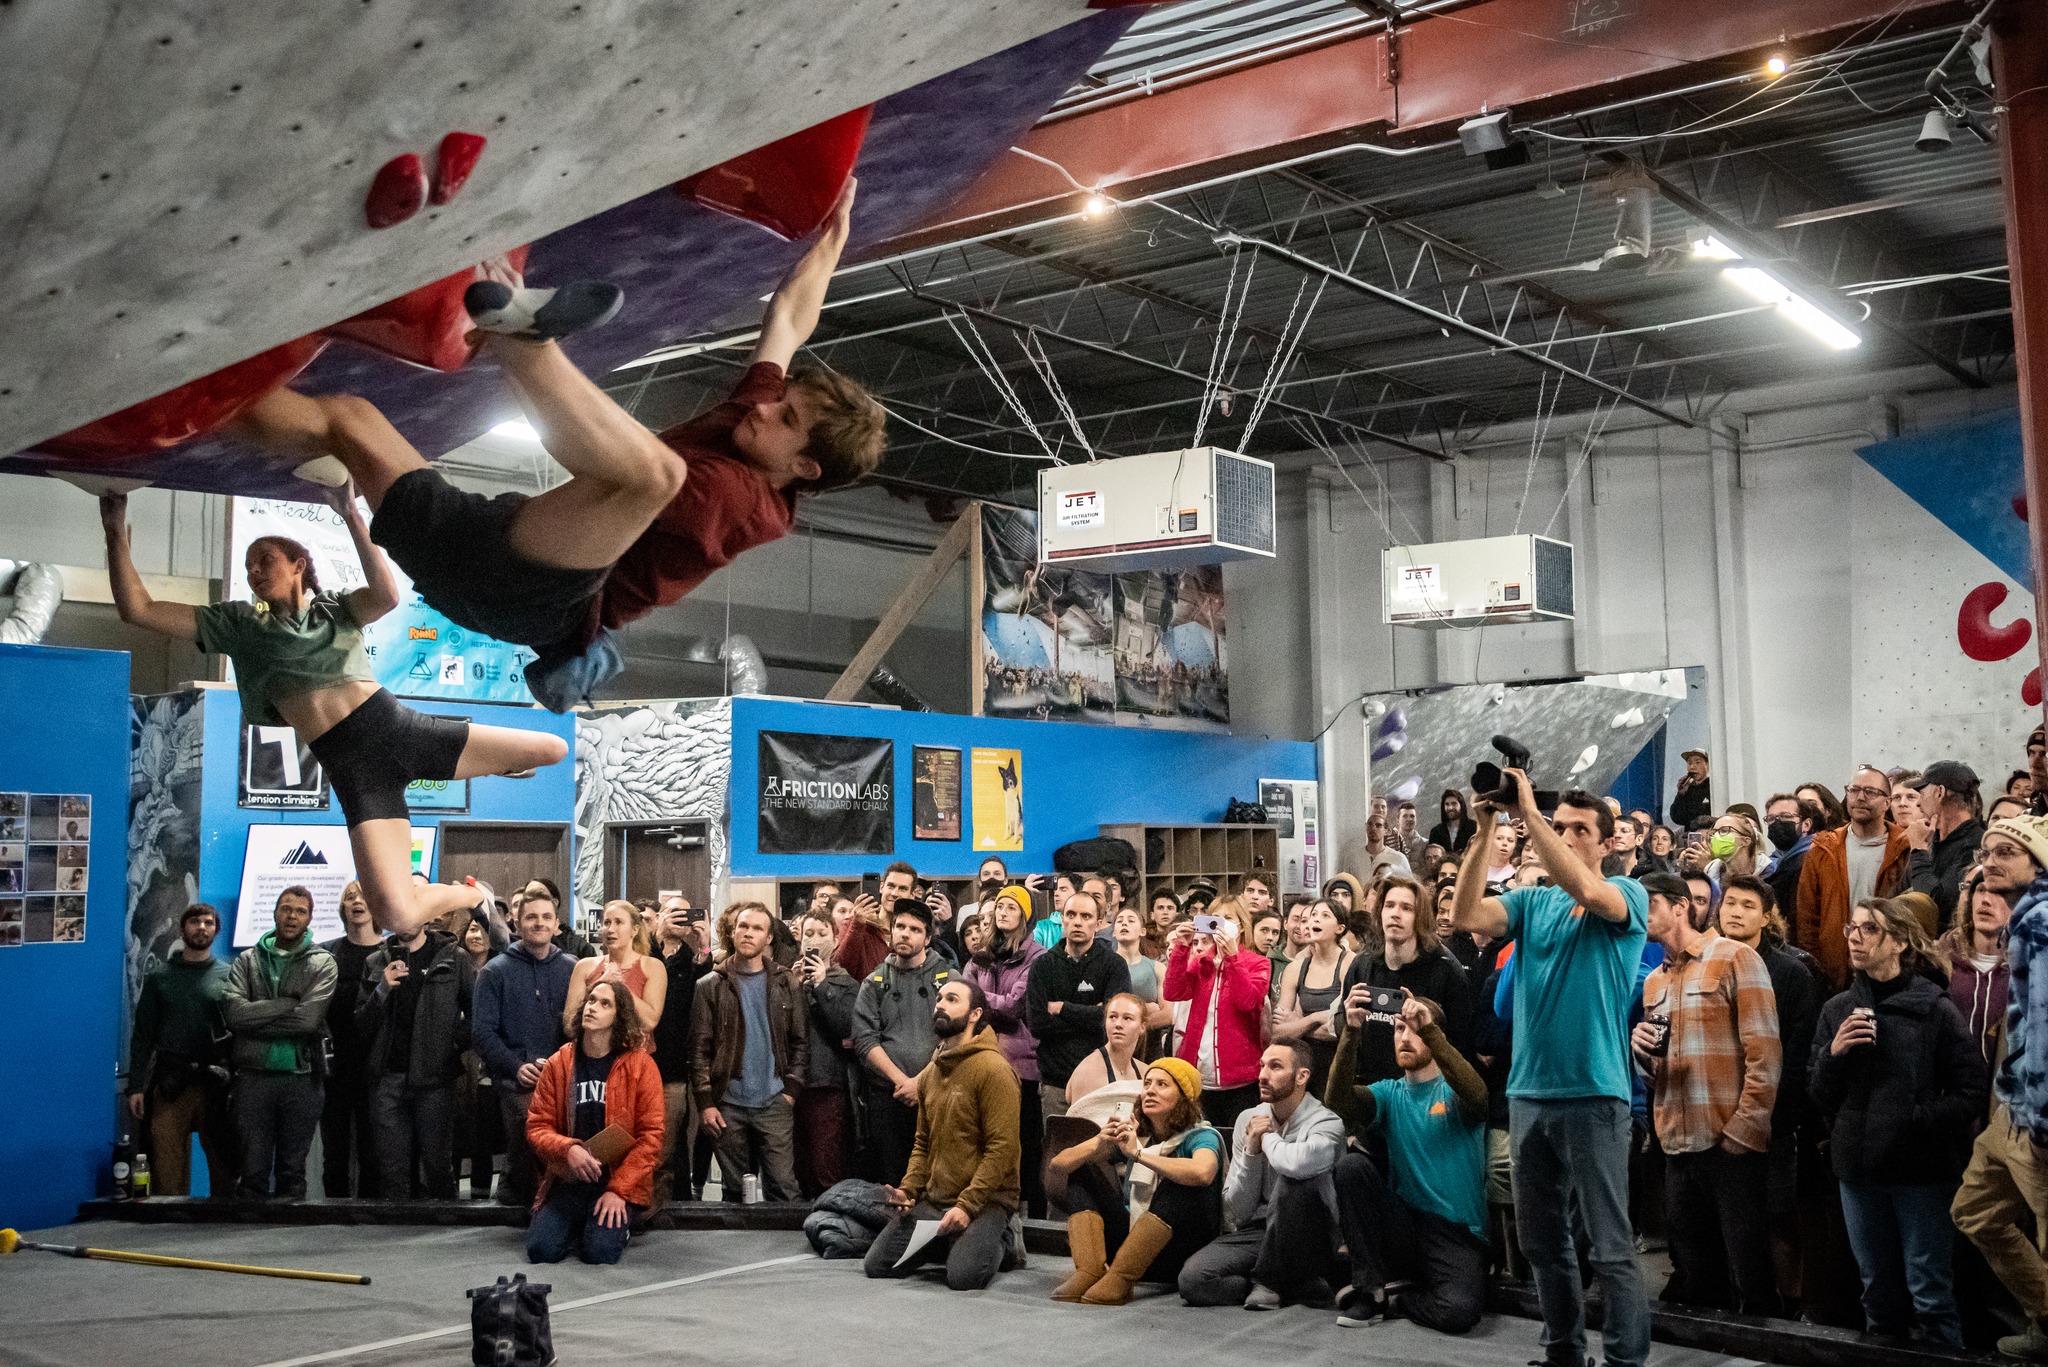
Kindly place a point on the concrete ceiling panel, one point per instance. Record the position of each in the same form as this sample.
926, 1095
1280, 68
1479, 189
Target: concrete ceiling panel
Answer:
182, 184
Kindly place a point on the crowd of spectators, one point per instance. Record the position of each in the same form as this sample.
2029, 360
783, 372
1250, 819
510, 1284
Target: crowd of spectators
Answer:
1784, 1046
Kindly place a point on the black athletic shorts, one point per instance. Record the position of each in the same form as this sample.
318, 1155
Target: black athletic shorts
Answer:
456, 547
373, 752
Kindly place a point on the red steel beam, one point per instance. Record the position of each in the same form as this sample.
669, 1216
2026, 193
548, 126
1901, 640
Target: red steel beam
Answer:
2019, 56
1531, 55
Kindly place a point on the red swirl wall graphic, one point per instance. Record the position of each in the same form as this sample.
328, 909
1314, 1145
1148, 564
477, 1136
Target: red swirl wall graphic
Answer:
1981, 640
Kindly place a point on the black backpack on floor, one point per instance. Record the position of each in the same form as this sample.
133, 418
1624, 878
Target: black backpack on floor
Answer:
508, 1324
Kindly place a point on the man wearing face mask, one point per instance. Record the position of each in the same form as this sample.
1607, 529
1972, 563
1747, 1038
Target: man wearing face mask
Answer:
963, 1168
1789, 824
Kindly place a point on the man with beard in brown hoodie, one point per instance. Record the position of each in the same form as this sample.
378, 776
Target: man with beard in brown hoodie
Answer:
963, 1169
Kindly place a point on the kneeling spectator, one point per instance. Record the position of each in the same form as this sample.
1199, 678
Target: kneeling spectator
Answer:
1168, 1203
1425, 1229
963, 1162
601, 1083
1278, 1194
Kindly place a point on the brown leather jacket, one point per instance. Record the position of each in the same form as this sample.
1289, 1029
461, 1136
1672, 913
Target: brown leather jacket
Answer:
718, 1032
1824, 896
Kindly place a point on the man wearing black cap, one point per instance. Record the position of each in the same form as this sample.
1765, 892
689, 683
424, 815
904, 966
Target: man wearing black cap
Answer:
1695, 797
1944, 838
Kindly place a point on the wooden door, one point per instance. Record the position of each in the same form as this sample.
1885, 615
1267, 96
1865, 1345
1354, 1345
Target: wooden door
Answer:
506, 854
646, 859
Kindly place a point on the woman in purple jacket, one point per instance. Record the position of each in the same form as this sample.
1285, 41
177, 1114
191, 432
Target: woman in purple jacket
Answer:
1001, 971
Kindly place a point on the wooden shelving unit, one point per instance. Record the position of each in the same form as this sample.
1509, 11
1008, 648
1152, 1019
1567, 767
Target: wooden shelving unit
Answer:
1175, 856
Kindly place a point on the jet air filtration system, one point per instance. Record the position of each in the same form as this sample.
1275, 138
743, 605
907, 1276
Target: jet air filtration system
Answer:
1484, 581
1171, 510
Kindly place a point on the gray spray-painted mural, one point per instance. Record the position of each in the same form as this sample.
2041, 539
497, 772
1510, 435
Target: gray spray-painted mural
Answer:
163, 829
657, 761
1581, 733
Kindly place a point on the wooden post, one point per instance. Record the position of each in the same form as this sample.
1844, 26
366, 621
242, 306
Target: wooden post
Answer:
965, 529
977, 595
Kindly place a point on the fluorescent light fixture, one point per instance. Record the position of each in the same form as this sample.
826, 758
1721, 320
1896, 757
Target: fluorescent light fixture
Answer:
1794, 308
1712, 248
517, 430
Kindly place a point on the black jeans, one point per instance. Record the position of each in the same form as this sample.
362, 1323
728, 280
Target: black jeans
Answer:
1194, 1214
348, 1150
519, 1185
414, 1125
892, 1131
1284, 1252
973, 1256
1717, 1218
1391, 1240
276, 1115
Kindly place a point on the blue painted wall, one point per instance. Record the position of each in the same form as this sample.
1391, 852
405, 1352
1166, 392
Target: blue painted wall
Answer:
550, 795
1075, 779
66, 731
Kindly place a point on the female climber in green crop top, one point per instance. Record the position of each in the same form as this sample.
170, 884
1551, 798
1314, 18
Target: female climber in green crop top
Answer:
299, 661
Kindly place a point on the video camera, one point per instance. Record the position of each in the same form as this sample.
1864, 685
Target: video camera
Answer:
1490, 783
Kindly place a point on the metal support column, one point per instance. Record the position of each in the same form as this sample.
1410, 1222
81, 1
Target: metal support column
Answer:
2020, 62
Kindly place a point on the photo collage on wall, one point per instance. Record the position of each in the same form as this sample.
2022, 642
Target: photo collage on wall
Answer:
45, 848
1061, 644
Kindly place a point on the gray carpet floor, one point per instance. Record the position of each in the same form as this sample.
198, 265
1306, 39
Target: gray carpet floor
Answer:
738, 1299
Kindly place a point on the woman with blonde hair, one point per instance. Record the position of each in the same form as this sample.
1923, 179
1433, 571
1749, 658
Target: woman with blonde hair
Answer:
625, 958
1311, 986
1212, 966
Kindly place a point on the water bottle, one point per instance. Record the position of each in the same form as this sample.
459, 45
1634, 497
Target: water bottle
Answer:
750, 1188
138, 1177
121, 1176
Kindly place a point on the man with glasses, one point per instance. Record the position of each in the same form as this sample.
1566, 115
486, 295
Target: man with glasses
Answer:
1579, 943
2008, 1173
1944, 839
1866, 858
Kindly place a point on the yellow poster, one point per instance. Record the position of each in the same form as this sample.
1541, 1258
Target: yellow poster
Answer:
998, 799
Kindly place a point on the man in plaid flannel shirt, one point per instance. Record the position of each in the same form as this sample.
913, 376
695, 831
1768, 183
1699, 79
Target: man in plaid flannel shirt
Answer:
1709, 1043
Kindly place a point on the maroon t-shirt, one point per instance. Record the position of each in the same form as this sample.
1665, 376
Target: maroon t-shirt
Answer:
726, 506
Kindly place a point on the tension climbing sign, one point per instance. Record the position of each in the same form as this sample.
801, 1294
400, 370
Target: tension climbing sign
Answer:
414, 651
827, 794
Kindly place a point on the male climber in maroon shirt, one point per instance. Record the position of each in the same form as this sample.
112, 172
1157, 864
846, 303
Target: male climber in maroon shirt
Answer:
643, 518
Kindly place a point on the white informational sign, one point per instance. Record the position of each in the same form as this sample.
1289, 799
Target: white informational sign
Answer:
413, 650
1300, 829
316, 858
1080, 508
1415, 583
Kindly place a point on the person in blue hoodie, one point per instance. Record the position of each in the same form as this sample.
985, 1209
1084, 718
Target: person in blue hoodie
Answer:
516, 1025
1790, 821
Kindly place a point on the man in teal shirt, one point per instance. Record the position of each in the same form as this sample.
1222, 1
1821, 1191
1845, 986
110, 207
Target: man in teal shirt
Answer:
1423, 1222
1578, 945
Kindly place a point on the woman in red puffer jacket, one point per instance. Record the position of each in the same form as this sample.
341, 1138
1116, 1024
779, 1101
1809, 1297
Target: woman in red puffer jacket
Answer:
1224, 983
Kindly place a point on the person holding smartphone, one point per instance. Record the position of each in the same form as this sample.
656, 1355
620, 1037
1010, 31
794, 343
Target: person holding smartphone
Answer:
678, 943
1211, 966
823, 1111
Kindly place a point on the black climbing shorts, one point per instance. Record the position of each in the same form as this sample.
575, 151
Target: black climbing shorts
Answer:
457, 549
373, 752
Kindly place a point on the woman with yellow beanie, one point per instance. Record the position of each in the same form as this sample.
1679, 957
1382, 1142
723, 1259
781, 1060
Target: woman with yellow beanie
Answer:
1146, 1192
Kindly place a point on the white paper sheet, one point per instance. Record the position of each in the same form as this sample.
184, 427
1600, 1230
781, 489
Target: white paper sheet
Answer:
924, 1233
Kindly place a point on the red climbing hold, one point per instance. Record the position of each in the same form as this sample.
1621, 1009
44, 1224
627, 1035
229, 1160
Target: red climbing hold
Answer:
1979, 639
2030, 689
428, 326
397, 193
789, 186
454, 161
2019, 506
187, 411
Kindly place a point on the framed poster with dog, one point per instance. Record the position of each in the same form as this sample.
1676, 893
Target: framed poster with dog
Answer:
998, 799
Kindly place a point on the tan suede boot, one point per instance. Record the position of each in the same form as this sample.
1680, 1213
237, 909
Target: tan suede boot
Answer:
1085, 1242
1147, 1239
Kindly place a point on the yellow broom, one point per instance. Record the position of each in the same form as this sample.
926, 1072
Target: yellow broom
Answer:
10, 1241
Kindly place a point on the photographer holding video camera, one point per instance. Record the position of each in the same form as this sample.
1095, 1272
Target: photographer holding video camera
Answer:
1578, 945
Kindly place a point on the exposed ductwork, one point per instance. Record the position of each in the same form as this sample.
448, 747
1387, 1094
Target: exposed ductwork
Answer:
38, 591
745, 671
884, 684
